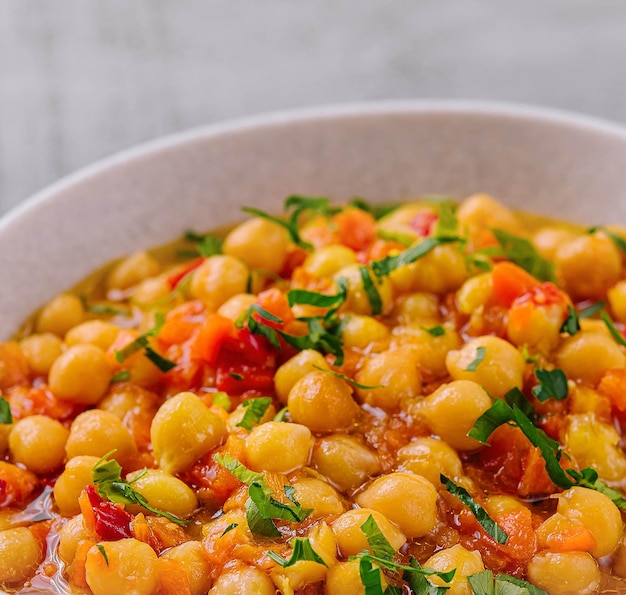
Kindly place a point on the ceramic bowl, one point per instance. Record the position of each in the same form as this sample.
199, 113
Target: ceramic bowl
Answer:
553, 163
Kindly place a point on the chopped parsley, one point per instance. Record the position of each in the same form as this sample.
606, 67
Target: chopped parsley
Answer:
302, 550
202, 245
229, 528
348, 379
377, 211
572, 323
321, 300
103, 552
255, 409
369, 286
435, 331
376, 540
552, 385
121, 376
592, 310
480, 356
5, 412
612, 328
484, 583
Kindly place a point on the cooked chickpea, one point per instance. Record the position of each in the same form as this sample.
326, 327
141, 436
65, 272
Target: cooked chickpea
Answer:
279, 447
164, 491
588, 265
358, 300
474, 293
70, 537
130, 567
345, 577
260, 243
191, 556
132, 270
548, 239
38, 443
617, 300
75, 477
96, 432
499, 371
483, 211
417, 308
20, 555
81, 374
393, 376
430, 458
328, 260
60, 315
362, 331
323, 403
295, 368
409, 501
243, 580
564, 573
95, 332
345, 461
151, 290
465, 562
183, 430
587, 356
237, 305
41, 350
452, 410
596, 512
316, 494
217, 279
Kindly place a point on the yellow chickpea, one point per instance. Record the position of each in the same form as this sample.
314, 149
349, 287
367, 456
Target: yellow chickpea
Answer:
318, 495
183, 430
596, 512
351, 539
20, 555
548, 239
358, 300
295, 368
409, 501
95, 332
465, 562
588, 265
417, 308
96, 432
345, 461
75, 477
164, 491
345, 577
430, 458
38, 442
323, 403
279, 447
500, 369
132, 270
260, 243
564, 573
362, 331
151, 290
191, 555
474, 293
243, 580
40, 351
394, 377
587, 356
217, 279
60, 315
452, 410
130, 567
237, 305
328, 260
70, 537
81, 374
482, 211
617, 300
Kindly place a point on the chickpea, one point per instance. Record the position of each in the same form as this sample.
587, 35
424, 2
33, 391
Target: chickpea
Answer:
38, 442
279, 447
500, 369
217, 279
40, 351
75, 477
130, 567
243, 580
70, 537
482, 211
183, 430
465, 562
394, 375
405, 499
345, 577
60, 315
588, 265
328, 260
345, 461
191, 556
548, 239
318, 495
362, 331
474, 293
237, 305
417, 308
151, 290
430, 458
452, 410
351, 539
596, 512
617, 300
95, 332
260, 243
96, 432
20, 555
81, 374
323, 403
13, 364
552, 526
358, 300
295, 368
164, 491
132, 270
587, 356
564, 573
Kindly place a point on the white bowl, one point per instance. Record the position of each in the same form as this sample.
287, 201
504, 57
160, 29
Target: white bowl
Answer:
553, 163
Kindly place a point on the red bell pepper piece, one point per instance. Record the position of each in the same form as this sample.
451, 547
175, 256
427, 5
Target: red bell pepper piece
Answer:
111, 521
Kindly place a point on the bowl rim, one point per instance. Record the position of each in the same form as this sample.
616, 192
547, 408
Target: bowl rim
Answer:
367, 109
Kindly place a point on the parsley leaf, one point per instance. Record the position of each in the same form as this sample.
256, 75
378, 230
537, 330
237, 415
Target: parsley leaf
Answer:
617, 240
5, 412
302, 550
572, 324
588, 478
435, 331
486, 522
222, 400
447, 224
121, 376
591, 310
480, 356
312, 298
369, 287
521, 252
418, 582
203, 245
499, 413
377, 541
392, 236
553, 385
348, 379
103, 552
255, 410
281, 415
229, 528
376, 210
484, 583
612, 328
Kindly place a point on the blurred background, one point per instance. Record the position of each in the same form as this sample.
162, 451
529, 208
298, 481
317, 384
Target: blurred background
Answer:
82, 79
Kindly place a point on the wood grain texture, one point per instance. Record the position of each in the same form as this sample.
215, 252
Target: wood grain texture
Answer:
82, 79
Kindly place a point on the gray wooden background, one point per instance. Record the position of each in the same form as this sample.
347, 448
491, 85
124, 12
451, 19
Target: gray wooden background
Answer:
81, 79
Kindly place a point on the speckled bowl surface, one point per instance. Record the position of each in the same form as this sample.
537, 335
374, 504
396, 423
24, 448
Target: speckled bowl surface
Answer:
545, 161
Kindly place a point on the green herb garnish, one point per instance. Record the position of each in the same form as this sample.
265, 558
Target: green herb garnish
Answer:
588, 478
222, 400
435, 331
121, 376
521, 252
369, 286
480, 356
281, 415
103, 552
348, 379
5, 412
612, 328
572, 323
203, 245
255, 410
229, 528
302, 550
591, 310
484, 583
376, 210
321, 300
552, 385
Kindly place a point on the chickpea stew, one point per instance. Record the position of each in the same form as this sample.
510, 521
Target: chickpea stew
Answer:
423, 398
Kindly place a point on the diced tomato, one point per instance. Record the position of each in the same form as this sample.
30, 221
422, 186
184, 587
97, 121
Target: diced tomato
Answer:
16, 484
613, 386
206, 345
424, 223
295, 258
571, 539
175, 278
381, 249
235, 378
275, 302
109, 521
510, 282
356, 228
